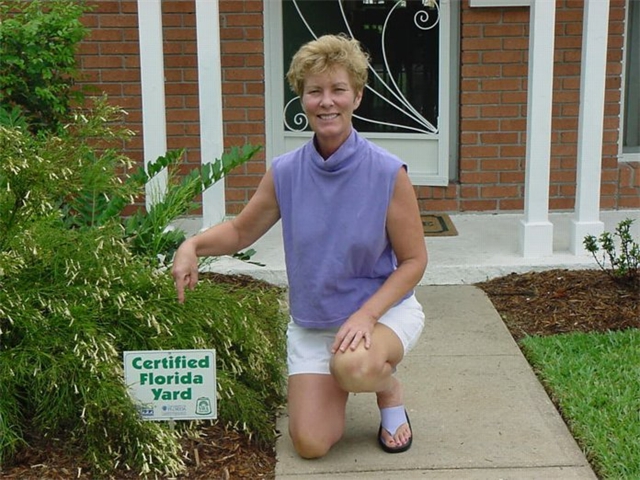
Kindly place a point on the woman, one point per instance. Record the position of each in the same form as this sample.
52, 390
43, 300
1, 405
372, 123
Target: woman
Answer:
354, 251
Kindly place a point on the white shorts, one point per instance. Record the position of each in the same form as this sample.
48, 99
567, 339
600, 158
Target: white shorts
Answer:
309, 349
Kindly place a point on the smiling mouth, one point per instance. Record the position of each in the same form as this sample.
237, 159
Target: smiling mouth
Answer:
328, 116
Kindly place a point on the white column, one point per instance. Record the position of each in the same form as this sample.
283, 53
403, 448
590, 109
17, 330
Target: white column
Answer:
590, 124
536, 231
210, 94
154, 127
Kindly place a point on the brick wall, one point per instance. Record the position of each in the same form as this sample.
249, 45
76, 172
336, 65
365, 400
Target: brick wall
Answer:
493, 96
241, 35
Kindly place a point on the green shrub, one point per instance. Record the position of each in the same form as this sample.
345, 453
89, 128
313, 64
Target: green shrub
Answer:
75, 300
38, 44
150, 231
77, 288
79, 284
42, 174
623, 254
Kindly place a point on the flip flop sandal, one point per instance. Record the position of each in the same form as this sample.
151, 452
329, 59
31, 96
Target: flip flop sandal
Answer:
392, 419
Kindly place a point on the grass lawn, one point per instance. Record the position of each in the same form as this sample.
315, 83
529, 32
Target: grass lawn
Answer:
594, 379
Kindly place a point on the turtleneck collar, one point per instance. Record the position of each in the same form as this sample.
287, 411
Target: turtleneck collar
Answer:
341, 158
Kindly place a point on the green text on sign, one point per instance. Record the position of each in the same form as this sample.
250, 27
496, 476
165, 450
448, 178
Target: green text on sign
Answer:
172, 384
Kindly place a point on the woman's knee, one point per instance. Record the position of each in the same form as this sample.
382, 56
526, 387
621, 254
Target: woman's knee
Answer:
309, 445
357, 371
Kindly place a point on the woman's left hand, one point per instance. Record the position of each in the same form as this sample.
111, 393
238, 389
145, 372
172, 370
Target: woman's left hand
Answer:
358, 327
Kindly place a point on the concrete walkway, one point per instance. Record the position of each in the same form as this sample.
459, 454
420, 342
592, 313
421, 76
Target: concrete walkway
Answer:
476, 408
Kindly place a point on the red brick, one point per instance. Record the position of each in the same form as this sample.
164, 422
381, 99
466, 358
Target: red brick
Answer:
499, 191
471, 71
479, 98
485, 44
499, 164
469, 191
441, 206
481, 125
231, 6
511, 204
105, 6
244, 74
479, 178
250, 20
516, 44
512, 151
502, 57
498, 138
178, 6
515, 70
505, 30
502, 84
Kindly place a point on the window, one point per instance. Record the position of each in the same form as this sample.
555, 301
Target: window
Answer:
631, 129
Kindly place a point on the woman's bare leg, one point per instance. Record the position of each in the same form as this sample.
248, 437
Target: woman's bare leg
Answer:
371, 370
317, 407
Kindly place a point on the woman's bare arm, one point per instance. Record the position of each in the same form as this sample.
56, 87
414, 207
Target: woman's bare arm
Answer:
229, 237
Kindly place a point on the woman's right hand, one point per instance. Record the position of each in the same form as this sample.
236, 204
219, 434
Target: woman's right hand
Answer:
185, 269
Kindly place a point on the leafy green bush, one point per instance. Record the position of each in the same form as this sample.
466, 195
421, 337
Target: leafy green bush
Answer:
72, 300
623, 254
39, 174
38, 44
77, 289
149, 230
79, 284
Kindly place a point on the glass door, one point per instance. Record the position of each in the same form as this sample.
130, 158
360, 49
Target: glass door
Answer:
402, 109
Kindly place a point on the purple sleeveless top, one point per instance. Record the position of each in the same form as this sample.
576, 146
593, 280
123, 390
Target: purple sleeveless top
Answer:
333, 211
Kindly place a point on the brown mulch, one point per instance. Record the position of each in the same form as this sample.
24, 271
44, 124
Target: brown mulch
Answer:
219, 453
538, 303
563, 301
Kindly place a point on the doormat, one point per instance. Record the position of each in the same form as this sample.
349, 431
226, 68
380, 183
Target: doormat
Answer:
438, 225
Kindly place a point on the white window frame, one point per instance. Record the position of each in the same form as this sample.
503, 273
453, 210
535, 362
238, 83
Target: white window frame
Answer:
625, 156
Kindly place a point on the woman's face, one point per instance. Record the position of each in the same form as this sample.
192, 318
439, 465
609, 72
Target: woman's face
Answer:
328, 99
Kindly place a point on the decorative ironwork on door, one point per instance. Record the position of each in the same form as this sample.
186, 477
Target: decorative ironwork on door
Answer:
402, 39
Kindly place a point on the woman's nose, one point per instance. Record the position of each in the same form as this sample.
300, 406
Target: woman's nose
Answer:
326, 100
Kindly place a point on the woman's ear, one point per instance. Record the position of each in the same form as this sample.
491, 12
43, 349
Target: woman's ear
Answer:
358, 99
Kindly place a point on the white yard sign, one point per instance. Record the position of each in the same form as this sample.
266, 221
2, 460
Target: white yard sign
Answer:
172, 384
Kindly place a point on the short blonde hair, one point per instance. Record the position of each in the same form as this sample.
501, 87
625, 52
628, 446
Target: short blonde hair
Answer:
324, 54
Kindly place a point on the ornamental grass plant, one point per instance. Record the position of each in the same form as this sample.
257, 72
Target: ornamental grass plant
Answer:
79, 285
74, 301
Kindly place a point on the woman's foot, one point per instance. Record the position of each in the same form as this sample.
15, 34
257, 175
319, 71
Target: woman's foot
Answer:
395, 433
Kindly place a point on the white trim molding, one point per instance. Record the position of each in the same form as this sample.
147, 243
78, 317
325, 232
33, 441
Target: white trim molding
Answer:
154, 125
210, 107
536, 231
590, 124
